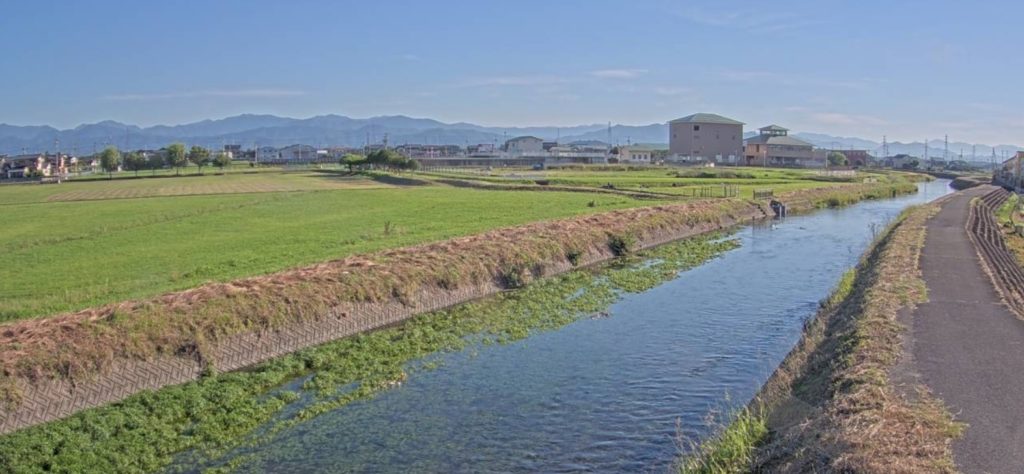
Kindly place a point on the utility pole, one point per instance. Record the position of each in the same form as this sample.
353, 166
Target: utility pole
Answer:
945, 151
926, 150
885, 147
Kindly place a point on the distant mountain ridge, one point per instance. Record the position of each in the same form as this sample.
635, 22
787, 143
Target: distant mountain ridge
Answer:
337, 130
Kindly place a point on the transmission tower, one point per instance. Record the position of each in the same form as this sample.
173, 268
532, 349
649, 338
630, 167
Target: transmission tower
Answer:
945, 150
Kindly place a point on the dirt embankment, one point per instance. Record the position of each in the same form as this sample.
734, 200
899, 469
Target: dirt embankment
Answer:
830, 406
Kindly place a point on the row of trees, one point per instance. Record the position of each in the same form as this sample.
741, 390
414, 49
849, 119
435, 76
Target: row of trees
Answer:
386, 159
174, 156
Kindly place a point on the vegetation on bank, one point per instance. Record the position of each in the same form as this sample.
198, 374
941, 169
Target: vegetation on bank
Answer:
190, 323
211, 416
831, 406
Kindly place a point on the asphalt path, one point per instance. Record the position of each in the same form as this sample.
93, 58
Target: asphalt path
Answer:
968, 347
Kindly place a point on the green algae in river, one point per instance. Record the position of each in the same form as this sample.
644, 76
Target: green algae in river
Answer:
244, 408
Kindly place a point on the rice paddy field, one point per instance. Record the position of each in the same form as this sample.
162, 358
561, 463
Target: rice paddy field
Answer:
679, 181
80, 244
129, 239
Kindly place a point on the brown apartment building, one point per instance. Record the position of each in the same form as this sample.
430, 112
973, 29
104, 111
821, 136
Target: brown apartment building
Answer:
774, 147
706, 138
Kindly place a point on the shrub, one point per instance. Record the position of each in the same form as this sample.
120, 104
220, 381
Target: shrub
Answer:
621, 244
573, 256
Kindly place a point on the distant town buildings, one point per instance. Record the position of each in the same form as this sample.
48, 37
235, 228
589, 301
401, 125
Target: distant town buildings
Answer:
700, 139
705, 137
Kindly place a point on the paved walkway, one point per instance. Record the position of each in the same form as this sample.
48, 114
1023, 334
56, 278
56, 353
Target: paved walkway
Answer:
968, 348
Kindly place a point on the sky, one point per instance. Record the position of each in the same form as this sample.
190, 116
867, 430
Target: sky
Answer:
908, 70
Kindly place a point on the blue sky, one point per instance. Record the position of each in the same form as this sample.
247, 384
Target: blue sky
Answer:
907, 69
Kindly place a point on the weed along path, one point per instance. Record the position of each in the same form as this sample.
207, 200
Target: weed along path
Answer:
600, 372
967, 347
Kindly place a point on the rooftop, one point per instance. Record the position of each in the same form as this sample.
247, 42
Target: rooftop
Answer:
773, 128
777, 140
707, 118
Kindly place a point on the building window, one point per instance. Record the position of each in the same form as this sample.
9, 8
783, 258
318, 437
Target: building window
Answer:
696, 128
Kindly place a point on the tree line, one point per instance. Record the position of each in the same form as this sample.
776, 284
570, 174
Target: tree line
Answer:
379, 159
173, 156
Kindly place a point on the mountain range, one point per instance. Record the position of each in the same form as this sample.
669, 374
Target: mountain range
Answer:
337, 130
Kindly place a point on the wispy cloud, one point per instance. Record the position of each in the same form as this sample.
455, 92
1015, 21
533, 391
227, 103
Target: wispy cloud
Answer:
257, 93
836, 118
825, 117
618, 73
516, 80
771, 78
743, 19
673, 91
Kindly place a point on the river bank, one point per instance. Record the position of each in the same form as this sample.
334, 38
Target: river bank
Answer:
53, 367
831, 404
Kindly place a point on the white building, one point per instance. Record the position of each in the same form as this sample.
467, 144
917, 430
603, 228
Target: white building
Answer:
297, 153
267, 153
635, 154
524, 144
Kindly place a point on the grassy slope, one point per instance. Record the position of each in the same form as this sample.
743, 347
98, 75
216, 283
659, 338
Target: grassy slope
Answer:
71, 255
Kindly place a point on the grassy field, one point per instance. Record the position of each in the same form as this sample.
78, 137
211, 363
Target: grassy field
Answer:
679, 181
231, 183
86, 243
65, 255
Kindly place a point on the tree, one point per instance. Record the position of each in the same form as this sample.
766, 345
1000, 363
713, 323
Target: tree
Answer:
222, 160
836, 158
110, 159
134, 161
391, 160
176, 157
155, 162
199, 156
912, 164
352, 161
378, 157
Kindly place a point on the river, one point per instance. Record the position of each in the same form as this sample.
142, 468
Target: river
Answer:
607, 394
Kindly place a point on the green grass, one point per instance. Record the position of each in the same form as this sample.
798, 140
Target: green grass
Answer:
732, 450
1005, 214
675, 180
145, 186
246, 408
63, 256
86, 243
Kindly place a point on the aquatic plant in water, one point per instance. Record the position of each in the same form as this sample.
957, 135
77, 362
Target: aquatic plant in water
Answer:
216, 419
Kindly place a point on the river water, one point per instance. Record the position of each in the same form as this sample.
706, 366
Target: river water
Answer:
610, 394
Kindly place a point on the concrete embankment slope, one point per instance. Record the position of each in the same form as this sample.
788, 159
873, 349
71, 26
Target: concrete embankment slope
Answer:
967, 346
